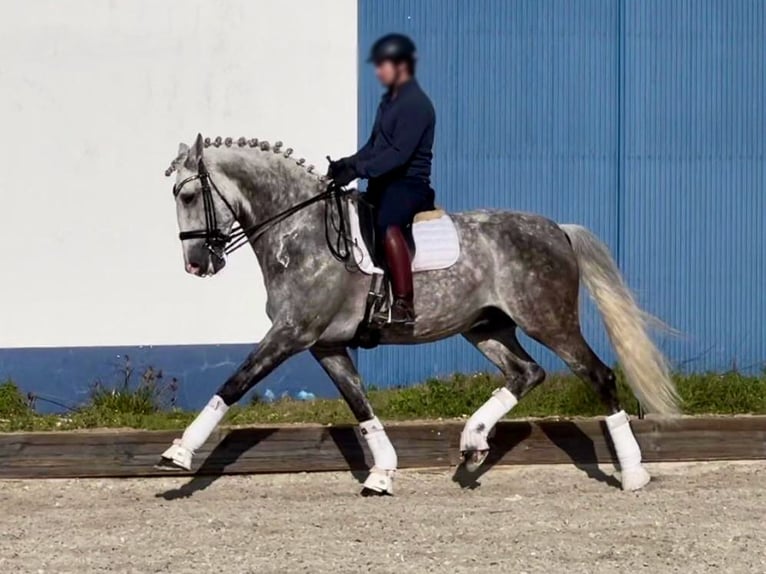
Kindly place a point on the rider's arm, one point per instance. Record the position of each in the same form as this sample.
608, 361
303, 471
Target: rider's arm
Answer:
411, 124
365, 150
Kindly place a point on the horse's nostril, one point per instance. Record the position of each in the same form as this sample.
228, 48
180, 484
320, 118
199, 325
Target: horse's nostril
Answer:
192, 268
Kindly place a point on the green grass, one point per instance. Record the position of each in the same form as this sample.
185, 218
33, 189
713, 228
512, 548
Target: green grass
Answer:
144, 405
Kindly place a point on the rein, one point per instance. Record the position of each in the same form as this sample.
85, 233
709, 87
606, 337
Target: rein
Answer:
220, 244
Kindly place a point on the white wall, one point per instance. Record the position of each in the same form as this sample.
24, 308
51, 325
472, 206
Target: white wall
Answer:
94, 99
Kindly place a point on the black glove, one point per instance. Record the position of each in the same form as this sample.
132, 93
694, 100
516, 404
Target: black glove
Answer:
341, 172
334, 166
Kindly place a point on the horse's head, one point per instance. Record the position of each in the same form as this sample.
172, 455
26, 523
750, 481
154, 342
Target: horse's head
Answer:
230, 192
206, 209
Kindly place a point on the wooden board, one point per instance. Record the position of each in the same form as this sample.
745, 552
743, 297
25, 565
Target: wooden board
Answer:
307, 448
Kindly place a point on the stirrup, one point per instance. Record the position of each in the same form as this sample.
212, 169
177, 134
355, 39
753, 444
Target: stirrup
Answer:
402, 313
386, 317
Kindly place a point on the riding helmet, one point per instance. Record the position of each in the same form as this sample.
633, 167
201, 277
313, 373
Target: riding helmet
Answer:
393, 47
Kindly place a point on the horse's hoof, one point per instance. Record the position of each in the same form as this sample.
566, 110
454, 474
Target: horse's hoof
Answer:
369, 492
473, 459
175, 458
168, 464
635, 479
379, 483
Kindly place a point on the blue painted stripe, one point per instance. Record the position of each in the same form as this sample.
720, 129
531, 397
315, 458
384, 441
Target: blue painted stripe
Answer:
67, 374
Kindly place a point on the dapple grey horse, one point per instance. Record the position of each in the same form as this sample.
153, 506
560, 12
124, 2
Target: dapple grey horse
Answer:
515, 271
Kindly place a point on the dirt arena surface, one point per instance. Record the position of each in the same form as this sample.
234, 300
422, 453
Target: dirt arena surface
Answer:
701, 517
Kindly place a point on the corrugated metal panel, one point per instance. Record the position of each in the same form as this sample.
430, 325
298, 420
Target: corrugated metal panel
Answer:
526, 98
694, 193
642, 120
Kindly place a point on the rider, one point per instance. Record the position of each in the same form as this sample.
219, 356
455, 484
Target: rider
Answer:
397, 162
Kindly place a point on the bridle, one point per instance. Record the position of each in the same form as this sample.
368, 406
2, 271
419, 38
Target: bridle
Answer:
216, 240
221, 244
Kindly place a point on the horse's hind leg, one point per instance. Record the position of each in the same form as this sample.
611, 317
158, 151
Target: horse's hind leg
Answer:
341, 369
496, 339
570, 345
580, 358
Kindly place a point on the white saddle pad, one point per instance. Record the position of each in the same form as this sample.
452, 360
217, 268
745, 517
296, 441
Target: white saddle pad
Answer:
437, 245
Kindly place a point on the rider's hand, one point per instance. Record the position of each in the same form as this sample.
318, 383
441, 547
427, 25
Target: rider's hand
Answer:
335, 166
341, 172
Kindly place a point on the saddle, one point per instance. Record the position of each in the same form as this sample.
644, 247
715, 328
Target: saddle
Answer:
437, 246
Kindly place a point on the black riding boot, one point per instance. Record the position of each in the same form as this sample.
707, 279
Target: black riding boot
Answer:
399, 261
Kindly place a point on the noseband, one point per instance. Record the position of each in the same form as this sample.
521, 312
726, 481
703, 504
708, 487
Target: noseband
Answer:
220, 243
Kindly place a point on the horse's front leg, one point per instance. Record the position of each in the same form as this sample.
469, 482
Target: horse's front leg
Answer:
341, 369
280, 343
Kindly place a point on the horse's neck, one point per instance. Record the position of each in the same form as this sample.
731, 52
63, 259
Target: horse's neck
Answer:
268, 182
269, 187
291, 243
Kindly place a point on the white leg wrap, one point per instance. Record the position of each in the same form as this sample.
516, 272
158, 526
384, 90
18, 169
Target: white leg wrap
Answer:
198, 432
383, 453
195, 435
634, 475
381, 477
477, 428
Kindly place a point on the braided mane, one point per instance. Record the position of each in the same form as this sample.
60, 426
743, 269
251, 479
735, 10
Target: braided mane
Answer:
256, 144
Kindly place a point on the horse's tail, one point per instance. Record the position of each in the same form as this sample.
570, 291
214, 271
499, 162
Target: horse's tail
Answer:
645, 367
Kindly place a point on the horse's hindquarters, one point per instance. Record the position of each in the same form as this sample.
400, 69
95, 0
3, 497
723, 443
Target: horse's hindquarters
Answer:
519, 264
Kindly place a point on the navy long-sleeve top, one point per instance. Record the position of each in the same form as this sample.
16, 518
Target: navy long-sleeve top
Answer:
402, 138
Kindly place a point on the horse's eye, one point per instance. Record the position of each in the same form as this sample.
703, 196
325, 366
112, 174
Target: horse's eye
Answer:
187, 198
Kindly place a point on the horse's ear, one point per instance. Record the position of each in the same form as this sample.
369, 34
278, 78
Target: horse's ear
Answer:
181, 158
195, 153
197, 148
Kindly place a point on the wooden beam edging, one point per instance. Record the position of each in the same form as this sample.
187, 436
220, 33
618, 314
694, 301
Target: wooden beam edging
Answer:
311, 448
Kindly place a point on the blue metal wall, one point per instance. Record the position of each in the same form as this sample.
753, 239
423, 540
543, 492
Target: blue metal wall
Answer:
694, 185
641, 119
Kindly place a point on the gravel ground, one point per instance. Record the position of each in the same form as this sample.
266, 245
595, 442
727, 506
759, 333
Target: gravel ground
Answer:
702, 517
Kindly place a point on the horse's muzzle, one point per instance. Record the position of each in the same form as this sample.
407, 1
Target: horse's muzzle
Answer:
202, 261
